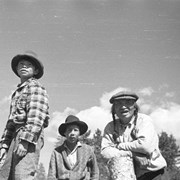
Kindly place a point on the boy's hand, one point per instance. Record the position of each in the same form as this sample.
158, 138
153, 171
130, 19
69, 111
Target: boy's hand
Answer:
22, 148
3, 154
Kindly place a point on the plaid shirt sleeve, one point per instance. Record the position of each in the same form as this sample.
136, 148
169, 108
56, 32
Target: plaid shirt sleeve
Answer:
37, 113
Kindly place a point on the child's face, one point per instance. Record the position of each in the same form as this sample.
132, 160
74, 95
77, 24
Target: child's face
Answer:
72, 133
26, 70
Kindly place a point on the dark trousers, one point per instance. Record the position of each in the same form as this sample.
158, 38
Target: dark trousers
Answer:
161, 174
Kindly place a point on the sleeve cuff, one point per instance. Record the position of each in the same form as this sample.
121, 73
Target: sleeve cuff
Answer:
5, 146
26, 136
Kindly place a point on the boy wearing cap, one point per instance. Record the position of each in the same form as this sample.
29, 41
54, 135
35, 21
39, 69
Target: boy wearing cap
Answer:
131, 131
73, 160
23, 138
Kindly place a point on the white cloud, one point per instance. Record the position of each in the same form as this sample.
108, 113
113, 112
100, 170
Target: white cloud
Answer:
165, 114
6, 99
59, 117
167, 119
170, 94
95, 117
146, 91
146, 108
104, 100
52, 139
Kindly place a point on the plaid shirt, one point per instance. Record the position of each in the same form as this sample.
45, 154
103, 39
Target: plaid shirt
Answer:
28, 111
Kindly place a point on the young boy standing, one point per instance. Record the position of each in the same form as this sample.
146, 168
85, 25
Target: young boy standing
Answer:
73, 160
23, 137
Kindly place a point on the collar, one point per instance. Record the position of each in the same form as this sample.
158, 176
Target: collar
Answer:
132, 120
25, 83
127, 125
77, 145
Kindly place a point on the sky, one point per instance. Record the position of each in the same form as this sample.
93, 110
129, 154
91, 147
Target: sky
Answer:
92, 49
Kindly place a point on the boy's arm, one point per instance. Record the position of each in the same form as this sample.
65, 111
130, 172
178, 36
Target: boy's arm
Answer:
3, 154
94, 169
37, 113
7, 135
52, 168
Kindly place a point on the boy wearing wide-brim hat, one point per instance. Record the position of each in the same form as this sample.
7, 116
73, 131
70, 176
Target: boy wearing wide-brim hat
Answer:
73, 160
131, 131
23, 138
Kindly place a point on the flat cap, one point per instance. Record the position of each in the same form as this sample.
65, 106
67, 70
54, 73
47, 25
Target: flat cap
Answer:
123, 95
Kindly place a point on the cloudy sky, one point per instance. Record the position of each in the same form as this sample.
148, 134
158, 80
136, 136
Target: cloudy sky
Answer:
91, 49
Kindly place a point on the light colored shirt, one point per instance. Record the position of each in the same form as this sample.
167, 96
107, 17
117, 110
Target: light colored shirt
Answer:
146, 141
72, 155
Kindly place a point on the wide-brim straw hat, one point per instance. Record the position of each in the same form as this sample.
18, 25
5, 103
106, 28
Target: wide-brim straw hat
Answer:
32, 57
72, 120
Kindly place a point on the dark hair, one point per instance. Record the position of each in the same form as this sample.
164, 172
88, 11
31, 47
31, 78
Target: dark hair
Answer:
29, 60
115, 133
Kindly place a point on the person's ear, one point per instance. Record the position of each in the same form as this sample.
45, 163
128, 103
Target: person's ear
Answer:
36, 71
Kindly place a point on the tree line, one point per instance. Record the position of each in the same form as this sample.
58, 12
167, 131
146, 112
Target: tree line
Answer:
167, 145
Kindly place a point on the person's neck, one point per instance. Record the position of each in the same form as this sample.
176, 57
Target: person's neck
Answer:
70, 145
125, 121
25, 79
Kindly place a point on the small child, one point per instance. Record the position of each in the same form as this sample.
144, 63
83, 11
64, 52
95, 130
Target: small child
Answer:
23, 136
73, 160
